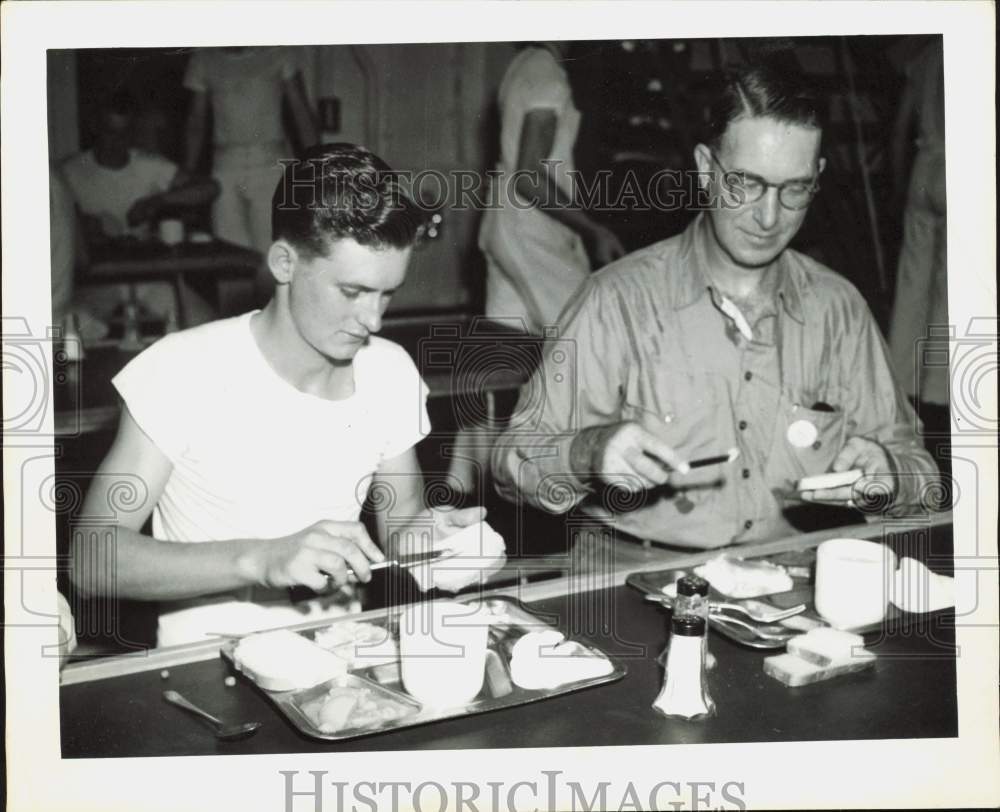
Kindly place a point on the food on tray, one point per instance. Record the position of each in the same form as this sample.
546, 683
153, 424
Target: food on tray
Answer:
353, 707
829, 647
281, 660
916, 589
546, 660
737, 578
359, 644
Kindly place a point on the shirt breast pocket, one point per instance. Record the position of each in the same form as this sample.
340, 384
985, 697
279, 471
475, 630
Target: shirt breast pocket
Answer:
808, 439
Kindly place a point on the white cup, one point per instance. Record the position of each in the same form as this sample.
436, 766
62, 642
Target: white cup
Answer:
171, 232
442, 651
853, 582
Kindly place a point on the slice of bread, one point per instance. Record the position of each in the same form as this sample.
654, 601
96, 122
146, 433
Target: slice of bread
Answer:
793, 672
281, 660
829, 647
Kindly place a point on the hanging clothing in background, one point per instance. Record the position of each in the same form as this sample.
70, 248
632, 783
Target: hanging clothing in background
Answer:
922, 276
246, 88
534, 263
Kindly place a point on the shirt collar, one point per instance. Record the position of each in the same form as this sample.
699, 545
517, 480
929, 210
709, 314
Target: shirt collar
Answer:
690, 287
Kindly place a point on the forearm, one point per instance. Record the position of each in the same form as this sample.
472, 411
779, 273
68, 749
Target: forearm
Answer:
305, 126
194, 193
540, 189
918, 480
543, 472
194, 139
121, 562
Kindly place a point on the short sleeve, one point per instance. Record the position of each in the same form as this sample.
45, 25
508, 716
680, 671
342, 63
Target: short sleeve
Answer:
155, 386
540, 84
194, 76
404, 394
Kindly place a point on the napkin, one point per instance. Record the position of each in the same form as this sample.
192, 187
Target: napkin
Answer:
479, 551
917, 589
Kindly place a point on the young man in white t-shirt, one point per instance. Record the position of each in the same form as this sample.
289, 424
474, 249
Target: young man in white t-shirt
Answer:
254, 441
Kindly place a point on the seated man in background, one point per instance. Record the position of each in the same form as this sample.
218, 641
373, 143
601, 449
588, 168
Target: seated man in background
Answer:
121, 191
719, 338
259, 437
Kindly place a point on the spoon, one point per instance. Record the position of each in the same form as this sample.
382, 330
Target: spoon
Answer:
783, 635
223, 732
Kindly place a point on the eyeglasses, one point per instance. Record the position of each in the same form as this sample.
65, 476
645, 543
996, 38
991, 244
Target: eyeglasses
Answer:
747, 188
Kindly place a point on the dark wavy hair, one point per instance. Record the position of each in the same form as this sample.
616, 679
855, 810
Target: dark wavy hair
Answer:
768, 88
341, 191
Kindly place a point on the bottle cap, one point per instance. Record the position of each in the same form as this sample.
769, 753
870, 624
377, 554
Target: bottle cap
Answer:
688, 625
692, 585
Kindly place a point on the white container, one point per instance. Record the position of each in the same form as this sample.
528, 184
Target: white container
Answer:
171, 232
853, 582
442, 651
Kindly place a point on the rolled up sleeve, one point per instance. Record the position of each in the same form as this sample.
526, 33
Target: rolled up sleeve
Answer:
879, 411
577, 385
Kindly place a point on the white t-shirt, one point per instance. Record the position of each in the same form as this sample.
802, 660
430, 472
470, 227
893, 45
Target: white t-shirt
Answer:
253, 457
246, 88
110, 193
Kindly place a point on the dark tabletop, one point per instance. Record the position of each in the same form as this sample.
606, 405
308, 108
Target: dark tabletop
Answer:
911, 693
135, 259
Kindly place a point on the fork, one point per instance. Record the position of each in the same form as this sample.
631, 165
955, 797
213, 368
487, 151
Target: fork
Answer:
720, 609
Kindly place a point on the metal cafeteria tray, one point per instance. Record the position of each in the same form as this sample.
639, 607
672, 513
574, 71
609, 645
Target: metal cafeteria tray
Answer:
800, 565
383, 683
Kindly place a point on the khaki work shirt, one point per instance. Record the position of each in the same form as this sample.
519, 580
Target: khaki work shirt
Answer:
646, 339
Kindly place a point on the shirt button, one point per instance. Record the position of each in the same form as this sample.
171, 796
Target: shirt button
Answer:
746, 473
747, 524
747, 376
742, 424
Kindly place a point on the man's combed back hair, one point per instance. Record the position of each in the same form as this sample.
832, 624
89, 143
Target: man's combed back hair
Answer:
769, 88
342, 191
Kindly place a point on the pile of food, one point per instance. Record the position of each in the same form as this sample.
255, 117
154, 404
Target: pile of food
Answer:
546, 660
359, 644
354, 707
736, 578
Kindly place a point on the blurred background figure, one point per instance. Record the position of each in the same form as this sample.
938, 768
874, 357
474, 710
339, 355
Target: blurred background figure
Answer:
62, 245
538, 246
921, 283
538, 250
120, 192
241, 91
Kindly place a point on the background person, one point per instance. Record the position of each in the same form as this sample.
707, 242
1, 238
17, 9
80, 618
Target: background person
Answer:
922, 274
241, 91
121, 191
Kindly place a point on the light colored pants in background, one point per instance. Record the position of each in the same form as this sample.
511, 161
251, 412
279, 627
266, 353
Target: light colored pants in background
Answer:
922, 281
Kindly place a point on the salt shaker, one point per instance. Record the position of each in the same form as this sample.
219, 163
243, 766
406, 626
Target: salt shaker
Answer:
685, 688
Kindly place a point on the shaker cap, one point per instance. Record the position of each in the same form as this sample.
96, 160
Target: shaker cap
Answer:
688, 625
692, 585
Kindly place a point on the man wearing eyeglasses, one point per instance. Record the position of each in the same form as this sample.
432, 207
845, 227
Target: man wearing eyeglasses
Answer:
720, 342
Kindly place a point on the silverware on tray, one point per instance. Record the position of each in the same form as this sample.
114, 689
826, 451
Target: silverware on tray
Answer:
718, 608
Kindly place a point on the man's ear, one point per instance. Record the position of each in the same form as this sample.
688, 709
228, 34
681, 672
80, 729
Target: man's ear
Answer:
822, 166
703, 160
281, 260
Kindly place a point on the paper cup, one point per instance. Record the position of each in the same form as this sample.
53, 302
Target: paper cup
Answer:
171, 232
442, 651
853, 582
